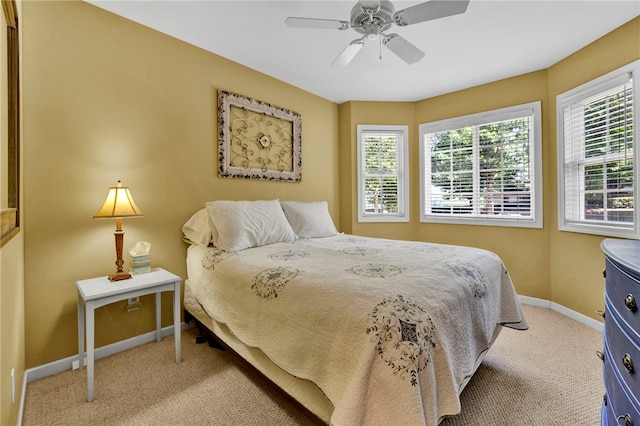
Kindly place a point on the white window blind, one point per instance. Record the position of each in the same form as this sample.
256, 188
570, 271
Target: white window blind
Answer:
482, 169
382, 168
597, 173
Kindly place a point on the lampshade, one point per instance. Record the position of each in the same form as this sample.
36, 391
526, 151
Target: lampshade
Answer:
119, 204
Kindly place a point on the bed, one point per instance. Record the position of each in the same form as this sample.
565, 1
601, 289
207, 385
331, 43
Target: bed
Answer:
359, 330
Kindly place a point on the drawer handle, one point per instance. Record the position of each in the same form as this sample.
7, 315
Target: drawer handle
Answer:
628, 363
628, 421
600, 355
630, 303
602, 313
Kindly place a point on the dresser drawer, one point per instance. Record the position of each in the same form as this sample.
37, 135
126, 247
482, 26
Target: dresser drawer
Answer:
623, 294
624, 354
620, 409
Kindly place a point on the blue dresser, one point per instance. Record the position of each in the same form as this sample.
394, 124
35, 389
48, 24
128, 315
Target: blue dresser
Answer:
621, 336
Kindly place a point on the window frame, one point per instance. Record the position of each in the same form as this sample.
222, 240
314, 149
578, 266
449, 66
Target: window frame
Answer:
580, 93
403, 172
535, 159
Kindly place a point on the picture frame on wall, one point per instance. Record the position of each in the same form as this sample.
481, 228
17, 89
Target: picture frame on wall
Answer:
10, 90
258, 140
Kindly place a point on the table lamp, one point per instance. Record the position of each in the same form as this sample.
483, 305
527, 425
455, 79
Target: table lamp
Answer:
119, 204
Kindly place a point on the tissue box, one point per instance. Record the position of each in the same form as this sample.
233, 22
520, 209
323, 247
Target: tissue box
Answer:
140, 258
140, 264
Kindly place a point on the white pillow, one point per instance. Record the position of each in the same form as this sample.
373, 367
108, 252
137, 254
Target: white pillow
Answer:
199, 229
244, 224
309, 219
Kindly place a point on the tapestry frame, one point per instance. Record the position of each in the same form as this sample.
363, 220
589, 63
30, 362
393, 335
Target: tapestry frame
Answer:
258, 140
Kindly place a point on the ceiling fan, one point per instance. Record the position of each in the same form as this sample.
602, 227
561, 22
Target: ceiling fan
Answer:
372, 18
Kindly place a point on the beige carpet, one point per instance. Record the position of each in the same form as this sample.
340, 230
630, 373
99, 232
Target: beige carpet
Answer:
547, 375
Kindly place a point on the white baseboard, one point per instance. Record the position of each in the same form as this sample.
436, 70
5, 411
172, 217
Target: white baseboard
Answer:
61, 365
68, 363
581, 318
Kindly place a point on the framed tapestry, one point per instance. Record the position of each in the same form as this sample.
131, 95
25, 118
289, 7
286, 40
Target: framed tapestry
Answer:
258, 140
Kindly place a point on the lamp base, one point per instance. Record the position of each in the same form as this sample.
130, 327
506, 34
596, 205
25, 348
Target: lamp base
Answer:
119, 276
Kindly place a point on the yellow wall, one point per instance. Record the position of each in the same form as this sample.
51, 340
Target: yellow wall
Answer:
391, 113
576, 260
12, 327
108, 99
12, 324
347, 174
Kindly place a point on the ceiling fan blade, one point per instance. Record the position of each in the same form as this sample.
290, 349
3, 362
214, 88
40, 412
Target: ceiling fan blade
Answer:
348, 53
401, 47
430, 10
331, 24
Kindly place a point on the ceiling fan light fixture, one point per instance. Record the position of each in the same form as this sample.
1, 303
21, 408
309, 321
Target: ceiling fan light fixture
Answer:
372, 31
372, 18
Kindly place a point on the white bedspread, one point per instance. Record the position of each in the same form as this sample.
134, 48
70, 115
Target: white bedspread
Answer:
389, 330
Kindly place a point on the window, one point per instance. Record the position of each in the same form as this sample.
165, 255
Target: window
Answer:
597, 177
383, 174
483, 169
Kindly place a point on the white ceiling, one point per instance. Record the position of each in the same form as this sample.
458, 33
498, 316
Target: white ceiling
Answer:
491, 41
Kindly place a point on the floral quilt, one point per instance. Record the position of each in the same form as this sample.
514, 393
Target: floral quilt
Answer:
389, 330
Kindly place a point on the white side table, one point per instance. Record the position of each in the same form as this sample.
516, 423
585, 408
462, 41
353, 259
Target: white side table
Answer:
96, 292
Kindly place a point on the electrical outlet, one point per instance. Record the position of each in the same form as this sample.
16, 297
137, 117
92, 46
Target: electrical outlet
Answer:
134, 304
13, 385
76, 364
